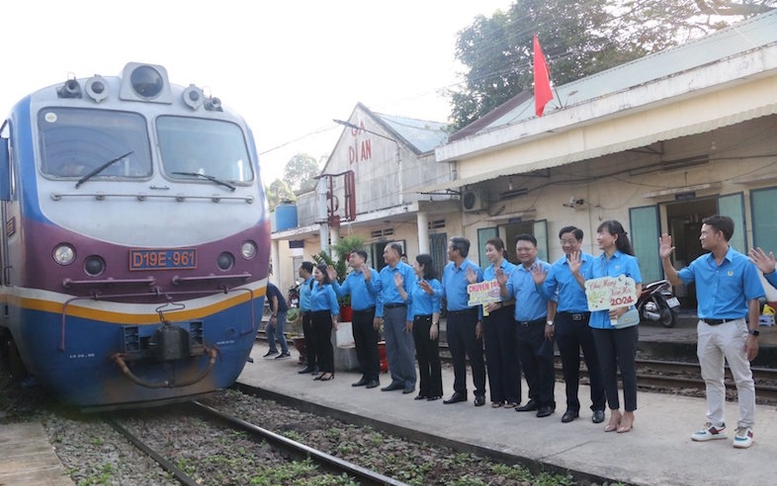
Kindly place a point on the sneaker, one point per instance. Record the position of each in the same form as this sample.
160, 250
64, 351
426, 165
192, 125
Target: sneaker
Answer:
743, 438
283, 355
709, 432
271, 352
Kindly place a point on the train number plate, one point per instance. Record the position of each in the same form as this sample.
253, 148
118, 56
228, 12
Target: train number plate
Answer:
163, 259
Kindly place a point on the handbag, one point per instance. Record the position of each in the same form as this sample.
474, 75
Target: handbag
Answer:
628, 319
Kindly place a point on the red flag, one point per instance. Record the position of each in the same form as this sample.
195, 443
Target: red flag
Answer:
542, 92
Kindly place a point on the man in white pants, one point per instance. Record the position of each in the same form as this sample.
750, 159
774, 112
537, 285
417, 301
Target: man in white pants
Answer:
727, 290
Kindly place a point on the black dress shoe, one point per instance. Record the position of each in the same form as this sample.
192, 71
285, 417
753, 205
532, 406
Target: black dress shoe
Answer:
393, 386
598, 416
545, 411
420, 397
480, 400
530, 406
373, 384
408, 390
433, 398
306, 370
569, 416
455, 398
361, 382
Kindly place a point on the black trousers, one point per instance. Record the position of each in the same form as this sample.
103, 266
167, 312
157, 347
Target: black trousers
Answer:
572, 336
502, 363
617, 349
366, 338
462, 343
310, 339
322, 336
428, 353
536, 354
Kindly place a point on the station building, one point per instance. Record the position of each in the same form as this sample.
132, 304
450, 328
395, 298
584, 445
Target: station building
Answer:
658, 143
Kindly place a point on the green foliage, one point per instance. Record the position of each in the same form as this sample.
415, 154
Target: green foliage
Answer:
588, 38
279, 192
300, 173
342, 249
102, 474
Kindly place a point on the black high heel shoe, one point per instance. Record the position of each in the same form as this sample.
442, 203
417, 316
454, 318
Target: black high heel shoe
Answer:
327, 378
319, 377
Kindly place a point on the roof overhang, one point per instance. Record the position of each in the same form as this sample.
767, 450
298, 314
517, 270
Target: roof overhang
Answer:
406, 210
699, 100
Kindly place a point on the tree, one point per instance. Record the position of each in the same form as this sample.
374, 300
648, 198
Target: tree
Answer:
279, 192
578, 38
300, 173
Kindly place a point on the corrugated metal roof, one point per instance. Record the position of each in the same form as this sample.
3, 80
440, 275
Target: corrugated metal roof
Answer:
742, 37
424, 135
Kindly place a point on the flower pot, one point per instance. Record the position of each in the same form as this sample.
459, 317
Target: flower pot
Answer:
301, 347
382, 355
346, 313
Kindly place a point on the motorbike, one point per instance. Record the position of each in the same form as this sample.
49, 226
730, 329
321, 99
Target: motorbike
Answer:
293, 297
657, 304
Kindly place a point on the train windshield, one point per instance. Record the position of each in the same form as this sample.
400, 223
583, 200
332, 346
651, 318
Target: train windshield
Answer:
213, 149
75, 142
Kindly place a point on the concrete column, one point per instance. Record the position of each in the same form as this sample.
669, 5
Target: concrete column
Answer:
324, 235
275, 255
423, 232
334, 235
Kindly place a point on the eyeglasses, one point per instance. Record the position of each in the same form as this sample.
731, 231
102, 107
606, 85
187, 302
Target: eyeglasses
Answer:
568, 242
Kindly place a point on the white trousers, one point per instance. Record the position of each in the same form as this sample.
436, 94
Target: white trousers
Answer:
727, 341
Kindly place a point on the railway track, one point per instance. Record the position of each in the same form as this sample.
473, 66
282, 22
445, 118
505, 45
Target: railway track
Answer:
291, 448
675, 376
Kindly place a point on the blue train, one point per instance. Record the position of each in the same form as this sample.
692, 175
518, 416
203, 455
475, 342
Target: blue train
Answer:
135, 243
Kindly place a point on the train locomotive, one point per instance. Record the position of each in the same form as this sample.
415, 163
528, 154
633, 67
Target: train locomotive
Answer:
135, 242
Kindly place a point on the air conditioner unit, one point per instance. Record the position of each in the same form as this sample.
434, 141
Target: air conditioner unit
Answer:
473, 201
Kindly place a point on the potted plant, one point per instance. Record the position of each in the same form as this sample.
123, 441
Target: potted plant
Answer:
294, 331
343, 249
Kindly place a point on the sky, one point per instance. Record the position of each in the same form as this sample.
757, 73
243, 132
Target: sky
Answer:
288, 67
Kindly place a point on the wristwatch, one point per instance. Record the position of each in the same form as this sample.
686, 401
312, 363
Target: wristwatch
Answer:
550, 323
754, 332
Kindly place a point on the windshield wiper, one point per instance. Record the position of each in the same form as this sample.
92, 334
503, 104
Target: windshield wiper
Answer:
209, 178
101, 168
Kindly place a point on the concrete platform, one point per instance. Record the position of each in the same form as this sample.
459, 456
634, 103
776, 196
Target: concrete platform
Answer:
658, 451
27, 458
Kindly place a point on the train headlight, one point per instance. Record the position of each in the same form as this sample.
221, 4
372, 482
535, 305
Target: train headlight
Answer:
248, 250
225, 261
145, 82
94, 265
64, 254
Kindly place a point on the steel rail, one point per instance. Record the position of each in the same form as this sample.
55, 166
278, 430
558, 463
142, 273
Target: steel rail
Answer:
168, 466
365, 476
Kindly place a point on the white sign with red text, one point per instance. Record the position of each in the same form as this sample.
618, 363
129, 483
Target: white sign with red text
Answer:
483, 293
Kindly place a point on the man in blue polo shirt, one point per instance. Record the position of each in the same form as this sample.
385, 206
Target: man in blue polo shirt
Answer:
306, 274
534, 317
391, 308
727, 289
571, 324
463, 323
365, 333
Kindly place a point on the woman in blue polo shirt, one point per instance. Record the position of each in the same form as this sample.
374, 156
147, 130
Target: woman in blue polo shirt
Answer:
617, 348
325, 309
424, 312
